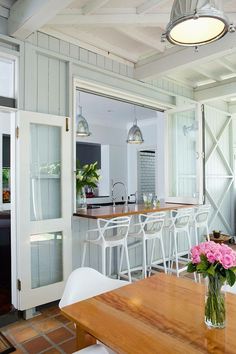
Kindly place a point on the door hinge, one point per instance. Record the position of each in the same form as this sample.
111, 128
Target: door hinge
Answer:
67, 124
17, 132
18, 284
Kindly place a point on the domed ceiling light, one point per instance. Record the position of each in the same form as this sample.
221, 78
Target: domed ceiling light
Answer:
135, 135
82, 127
197, 22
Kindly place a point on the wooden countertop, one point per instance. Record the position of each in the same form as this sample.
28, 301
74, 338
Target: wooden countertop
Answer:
106, 212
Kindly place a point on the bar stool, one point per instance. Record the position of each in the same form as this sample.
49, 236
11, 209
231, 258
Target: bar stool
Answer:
150, 229
110, 233
179, 228
200, 221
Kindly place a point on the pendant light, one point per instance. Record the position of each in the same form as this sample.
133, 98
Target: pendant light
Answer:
135, 135
196, 22
82, 128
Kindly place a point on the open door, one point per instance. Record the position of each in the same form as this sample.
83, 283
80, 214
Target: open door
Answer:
43, 207
184, 155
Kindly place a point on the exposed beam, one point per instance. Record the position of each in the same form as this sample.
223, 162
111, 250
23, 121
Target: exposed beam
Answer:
227, 64
216, 91
150, 20
93, 5
184, 58
4, 12
148, 6
27, 16
6, 3
198, 69
141, 37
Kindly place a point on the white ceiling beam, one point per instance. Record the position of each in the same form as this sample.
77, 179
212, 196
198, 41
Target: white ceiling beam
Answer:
150, 20
143, 38
27, 16
227, 64
148, 6
4, 12
206, 73
6, 3
92, 6
183, 58
216, 91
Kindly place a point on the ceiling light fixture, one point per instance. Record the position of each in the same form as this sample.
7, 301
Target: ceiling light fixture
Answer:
82, 127
135, 135
197, 22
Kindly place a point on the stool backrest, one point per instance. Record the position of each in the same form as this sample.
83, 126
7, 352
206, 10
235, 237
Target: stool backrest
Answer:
202, 214
152, 222
111, 227
182, 220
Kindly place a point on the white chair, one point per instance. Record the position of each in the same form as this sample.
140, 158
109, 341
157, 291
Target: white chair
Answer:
94, 349
200, 221
110, 233
82, 284
150, 229
179, 228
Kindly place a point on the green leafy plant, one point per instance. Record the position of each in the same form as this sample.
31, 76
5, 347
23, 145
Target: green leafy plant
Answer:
87, 176
5, 176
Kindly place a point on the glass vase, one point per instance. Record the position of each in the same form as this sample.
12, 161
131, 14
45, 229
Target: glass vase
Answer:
81, 202
214, 302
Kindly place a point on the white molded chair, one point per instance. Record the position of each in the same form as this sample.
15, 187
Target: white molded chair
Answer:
200, 221
111, 233
94, 349
82, 284
179, 228
150, 229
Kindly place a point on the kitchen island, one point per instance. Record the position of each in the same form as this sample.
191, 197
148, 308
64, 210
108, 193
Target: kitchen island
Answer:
84, 220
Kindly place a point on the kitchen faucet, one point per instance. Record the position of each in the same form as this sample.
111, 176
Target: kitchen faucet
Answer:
112, 193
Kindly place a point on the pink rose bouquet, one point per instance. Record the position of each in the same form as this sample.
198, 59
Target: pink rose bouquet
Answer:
217, 262
210, 258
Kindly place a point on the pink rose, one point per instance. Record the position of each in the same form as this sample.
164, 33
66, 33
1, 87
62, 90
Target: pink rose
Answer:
211, 257
227, 261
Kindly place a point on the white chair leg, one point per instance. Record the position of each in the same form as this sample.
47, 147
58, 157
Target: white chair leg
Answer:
163, 254
176, 255
170, 251
208, 236
84, 254
121, 261
127, 260
144, 259
196, 235
103, 260
152, 255
110, 256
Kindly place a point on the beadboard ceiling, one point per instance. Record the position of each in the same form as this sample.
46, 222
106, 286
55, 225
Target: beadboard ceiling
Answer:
130, 30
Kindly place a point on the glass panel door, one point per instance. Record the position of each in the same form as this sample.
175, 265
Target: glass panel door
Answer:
44, 207
184, 155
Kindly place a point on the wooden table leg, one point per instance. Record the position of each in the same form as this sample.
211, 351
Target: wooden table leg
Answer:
83, 339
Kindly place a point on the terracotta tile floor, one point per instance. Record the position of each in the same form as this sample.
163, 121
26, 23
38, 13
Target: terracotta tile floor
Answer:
50, 333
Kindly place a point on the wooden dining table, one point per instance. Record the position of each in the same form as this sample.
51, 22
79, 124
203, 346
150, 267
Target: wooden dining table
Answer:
158, 315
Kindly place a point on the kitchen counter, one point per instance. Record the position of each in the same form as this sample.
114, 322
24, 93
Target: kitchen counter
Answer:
107, 212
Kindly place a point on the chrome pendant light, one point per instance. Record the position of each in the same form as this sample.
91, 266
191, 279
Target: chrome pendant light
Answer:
82, 127
135, 135
197, 22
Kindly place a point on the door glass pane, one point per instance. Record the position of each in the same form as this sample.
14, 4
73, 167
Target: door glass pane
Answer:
46, 259
6, 78
45, 172
182, 139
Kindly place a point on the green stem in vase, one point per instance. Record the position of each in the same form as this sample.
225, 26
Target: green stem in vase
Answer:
215, 303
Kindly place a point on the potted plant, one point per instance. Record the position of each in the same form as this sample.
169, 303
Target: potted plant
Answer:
87, 176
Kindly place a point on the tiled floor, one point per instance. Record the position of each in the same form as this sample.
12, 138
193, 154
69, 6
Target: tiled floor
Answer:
49, 333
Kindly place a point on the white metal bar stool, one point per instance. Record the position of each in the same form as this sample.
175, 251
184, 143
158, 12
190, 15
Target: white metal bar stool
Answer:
200, 222
150, 229
179, 229
110, 233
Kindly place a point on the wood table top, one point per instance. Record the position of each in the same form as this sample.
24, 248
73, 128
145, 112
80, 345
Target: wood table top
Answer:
106, 212
160, 314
